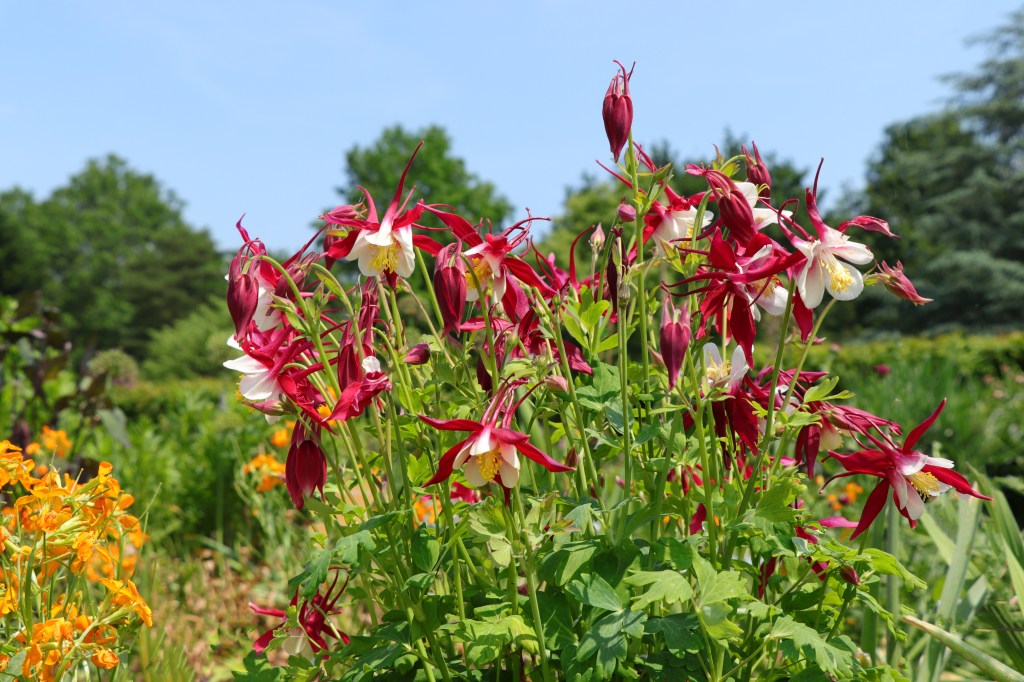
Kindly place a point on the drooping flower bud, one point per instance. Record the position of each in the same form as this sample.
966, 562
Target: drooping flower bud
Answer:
243, 291
627, 213
450, 286
849, 574
617, 111
897, 283
675, 338
757, 172
417, 355
305, 470
556, 383
735, 210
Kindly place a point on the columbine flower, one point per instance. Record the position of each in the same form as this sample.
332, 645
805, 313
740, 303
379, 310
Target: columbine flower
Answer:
824, 270
490, 452
384, 246
913, 476
305, 469
720, 373
675, 337
314, 627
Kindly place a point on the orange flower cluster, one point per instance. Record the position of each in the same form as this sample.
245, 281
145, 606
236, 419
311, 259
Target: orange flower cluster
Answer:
52, 441
848, 496
57, 530
269, 467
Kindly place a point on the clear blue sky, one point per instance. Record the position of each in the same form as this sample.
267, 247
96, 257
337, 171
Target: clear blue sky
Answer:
248, 107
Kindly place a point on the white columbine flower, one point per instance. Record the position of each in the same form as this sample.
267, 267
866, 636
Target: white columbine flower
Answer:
385, 250
823, 269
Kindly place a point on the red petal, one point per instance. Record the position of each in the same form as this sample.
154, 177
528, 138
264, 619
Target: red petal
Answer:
444, 467
919, 430
452, 424
540, 458
871, 508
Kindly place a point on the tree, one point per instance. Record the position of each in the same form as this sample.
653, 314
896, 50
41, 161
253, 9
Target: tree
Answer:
949, 184
112, 251
439, 177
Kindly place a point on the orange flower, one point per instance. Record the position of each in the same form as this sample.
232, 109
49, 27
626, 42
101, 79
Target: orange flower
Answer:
124, 593
280, 438
105, 658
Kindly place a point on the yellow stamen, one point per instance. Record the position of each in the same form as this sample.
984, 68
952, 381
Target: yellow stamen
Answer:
385, 258
489, 463
838, 276
926, 485
480, 272
716, 373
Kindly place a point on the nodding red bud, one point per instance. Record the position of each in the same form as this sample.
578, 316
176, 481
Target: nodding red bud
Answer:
882, 370
340, 214
897, 283
757, 172
450, 286
597, 238
849, 574
675, 338
556, 383
627, 213
243, 292
617, 111
305, 470
417, 355
736, 212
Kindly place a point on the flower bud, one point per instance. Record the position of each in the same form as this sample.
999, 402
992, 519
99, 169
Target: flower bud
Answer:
597, 238
305, 469
757, 172
627, 213
417, 355
556, 383
733, 206
243, 292
450, 286
897, 283
849, 574
617, 111
675, 338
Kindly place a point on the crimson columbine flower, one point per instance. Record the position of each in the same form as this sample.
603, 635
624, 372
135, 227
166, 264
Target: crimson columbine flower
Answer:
310, 637
305, 470
617, 111
897, 283
490, 452
674, 337
913, 476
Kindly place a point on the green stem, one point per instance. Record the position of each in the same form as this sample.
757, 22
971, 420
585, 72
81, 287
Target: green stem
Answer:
531, 584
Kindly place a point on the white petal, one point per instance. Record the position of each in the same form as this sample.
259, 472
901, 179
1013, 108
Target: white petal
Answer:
811, 284
258, 386
509, 475
940, 462
915, 505
245, 365
382, 237
843, 290
712, 357
483, 443
371, 364
472, 474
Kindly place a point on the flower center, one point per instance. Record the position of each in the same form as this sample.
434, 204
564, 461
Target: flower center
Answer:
480, 273
926, 485
838, 276
385, 258
489, 462
716, 373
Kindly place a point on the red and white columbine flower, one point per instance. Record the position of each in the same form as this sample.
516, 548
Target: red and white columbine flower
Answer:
913, 476
491, 452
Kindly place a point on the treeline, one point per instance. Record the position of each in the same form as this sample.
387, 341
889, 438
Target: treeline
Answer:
111, 250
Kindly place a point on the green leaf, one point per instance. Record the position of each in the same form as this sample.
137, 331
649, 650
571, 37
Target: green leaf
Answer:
799, 640
347, 548
425, 549
668, 587
883, 562
607, 639
594, 590
774, 504
680, 630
